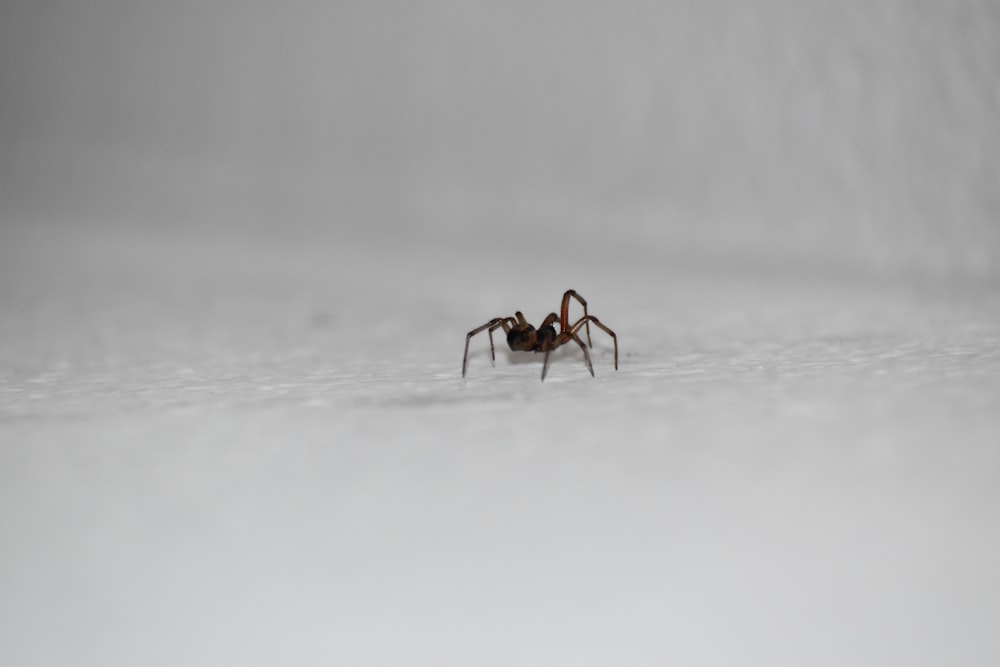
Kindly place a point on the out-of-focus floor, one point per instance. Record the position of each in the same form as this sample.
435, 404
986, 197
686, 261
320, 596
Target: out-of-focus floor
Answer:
254, 449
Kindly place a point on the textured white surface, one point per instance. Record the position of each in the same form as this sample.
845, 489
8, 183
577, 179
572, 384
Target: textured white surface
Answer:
208, 458
240, 248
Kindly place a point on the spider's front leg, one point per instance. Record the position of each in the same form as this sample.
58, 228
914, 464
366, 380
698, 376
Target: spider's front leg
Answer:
490, 327
564, 318
562, 340
585, 321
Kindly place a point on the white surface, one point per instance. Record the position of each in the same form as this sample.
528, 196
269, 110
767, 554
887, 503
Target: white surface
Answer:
240, 248
211, 458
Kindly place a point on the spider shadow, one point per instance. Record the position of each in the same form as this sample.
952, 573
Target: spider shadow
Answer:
561, 356
508, 357
557, 356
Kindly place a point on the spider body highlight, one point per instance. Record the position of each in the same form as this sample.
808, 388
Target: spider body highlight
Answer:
524, 337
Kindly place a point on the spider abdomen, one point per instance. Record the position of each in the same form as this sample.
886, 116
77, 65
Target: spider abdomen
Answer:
523, 338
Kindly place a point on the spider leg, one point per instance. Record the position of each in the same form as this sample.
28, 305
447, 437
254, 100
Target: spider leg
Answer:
562, 340
585, 320
586, 354
490, 326
494, 327
564, 320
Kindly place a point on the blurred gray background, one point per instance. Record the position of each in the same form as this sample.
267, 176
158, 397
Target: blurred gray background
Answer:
857, 136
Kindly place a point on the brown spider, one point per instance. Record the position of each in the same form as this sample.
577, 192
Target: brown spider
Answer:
523, 336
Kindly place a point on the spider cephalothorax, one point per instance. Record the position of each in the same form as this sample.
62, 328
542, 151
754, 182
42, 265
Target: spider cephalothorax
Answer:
523, 337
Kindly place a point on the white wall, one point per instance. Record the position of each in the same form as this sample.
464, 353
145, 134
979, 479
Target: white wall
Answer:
853, 134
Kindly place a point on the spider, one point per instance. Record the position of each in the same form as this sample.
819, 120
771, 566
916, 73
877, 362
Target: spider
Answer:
525, 337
